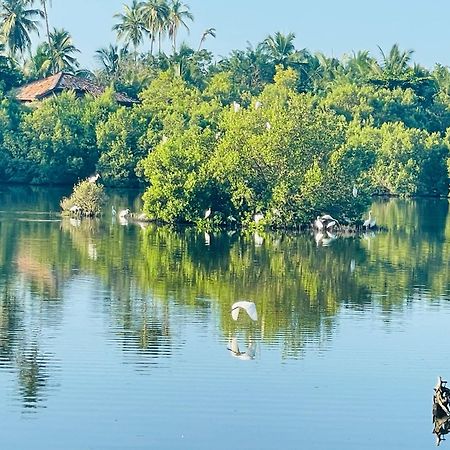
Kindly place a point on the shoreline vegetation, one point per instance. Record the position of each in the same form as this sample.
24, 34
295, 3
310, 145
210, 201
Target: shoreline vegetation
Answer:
271, 131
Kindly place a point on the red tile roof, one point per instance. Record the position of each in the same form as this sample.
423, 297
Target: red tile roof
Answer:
64, 81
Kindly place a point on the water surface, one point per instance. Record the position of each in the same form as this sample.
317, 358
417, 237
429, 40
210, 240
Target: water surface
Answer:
115, 336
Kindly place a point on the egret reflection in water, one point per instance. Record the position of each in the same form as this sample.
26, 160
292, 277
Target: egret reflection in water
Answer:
259, 240
324, 239
249, 353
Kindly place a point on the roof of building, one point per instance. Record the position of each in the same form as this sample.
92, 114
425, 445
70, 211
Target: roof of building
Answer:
62, 81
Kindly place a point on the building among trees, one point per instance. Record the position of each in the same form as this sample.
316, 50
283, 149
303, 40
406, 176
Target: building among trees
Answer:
60, 82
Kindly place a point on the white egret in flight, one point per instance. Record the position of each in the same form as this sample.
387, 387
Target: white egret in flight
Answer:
329, 221
248, 307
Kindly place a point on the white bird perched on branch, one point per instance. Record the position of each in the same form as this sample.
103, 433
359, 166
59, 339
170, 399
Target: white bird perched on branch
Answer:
248, 307
207, 213
370, 222
258, 104
75, 209
236, 107
94, 178
318, 223
124, 213
355, 191
258, 217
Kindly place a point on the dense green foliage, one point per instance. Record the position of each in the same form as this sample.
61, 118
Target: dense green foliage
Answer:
269, 130
87, 199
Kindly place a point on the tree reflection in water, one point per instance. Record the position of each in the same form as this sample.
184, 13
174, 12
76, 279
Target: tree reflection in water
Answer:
150, 275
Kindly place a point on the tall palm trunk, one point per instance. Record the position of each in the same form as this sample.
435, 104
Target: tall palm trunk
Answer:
201, 43
152, 42
47, 28
174, 41
49, 41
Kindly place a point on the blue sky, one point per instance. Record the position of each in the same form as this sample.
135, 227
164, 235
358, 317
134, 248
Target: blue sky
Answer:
331, 26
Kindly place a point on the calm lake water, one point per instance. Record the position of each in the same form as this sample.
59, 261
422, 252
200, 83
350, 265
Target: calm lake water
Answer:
114, 336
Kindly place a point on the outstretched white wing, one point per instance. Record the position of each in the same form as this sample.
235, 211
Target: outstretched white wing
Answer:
249, 307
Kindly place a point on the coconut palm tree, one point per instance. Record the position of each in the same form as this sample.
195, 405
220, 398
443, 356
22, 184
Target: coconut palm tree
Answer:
361, 65
18, 19
156, 13
61, 51
178, 14
396, 62
206, 33
131, 27
110, 58
281, 47
39, 65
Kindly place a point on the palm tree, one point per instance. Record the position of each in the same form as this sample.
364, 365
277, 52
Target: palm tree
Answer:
206, 33
131, 27
156, 13
39, 65
61, 51
280, 47
396, 62
361, 65
178, 13
17, 22
110, 58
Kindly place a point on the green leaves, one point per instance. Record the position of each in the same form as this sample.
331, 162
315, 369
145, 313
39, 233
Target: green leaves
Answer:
274, 159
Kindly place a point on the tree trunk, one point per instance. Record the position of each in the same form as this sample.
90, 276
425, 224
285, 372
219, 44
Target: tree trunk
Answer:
52, 65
